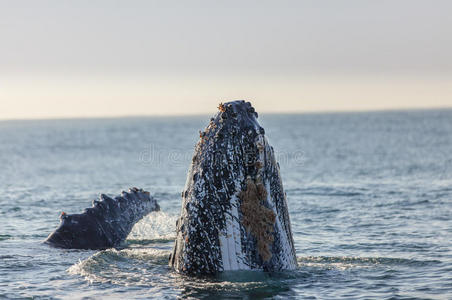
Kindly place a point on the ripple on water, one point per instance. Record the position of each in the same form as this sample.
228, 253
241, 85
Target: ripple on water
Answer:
4, 237
360, 262
368, 224
148, 268
123, 267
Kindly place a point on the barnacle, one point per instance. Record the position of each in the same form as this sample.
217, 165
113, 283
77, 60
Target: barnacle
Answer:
221, 107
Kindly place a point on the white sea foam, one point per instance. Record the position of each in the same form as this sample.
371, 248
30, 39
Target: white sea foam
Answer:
156, 225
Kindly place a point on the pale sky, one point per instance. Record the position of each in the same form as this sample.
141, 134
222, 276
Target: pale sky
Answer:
120, 58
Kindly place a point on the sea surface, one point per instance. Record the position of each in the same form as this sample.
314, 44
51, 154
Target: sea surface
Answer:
369, 195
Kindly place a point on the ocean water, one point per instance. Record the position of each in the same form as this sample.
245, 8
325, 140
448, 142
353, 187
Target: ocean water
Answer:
369, 195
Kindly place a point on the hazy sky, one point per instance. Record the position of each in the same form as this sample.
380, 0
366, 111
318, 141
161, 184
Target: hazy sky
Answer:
108, 58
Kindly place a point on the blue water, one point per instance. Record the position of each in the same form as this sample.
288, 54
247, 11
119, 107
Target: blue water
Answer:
369, 195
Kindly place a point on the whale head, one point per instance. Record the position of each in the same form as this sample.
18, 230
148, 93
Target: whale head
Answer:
234, 213
106, 224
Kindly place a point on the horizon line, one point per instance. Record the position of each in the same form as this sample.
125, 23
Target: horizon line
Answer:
314, 112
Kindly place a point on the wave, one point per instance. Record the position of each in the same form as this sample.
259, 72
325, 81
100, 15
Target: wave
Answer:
145, 242
344, 262
5, 237
328, 191
143, 265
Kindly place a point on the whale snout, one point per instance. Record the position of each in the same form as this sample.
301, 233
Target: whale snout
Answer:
234, 212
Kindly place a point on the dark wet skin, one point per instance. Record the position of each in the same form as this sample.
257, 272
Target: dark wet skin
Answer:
104, 225
225, 156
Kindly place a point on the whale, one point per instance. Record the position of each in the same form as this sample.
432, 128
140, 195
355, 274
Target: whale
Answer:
234, 213
104, 225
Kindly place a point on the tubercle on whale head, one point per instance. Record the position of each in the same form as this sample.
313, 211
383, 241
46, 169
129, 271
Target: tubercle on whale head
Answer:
231, 113
237, 108
237, 105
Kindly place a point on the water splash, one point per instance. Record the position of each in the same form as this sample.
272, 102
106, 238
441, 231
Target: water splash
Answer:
157, 226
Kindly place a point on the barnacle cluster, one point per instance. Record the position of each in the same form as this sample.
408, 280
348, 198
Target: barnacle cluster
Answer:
258, 219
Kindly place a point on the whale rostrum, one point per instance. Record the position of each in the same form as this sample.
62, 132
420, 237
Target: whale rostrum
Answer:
104, 225
234, 212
